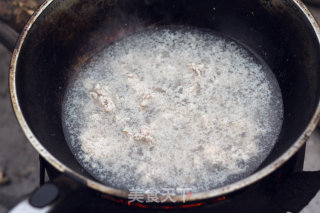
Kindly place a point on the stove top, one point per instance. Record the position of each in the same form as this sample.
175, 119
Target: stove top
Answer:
268, 196
272, 194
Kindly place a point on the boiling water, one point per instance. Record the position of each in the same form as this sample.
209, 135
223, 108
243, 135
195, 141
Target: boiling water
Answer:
172, 108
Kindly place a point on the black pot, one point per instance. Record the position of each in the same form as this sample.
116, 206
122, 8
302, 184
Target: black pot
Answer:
63, 34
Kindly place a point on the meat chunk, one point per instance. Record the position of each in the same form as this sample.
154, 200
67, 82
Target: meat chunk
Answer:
143, 134
197, 68
103, 96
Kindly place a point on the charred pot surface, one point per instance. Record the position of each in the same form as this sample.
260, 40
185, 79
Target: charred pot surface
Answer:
64, 34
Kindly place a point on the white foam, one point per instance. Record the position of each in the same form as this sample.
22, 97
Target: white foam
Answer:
189, 109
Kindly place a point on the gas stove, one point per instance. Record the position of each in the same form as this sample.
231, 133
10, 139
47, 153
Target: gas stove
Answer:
273, 194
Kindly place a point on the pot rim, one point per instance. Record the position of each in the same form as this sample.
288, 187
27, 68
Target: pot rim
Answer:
124, 194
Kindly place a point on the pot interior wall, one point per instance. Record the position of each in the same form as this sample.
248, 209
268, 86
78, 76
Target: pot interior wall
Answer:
67, 33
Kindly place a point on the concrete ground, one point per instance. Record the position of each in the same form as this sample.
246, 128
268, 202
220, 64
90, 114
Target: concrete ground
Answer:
19, 161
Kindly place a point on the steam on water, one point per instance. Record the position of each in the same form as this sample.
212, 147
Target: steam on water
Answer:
172, 107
